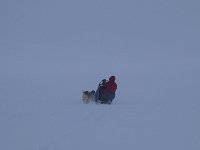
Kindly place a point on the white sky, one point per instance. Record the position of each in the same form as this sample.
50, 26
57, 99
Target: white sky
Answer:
104, 25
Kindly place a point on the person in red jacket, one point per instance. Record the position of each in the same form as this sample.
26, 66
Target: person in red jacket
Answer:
109, 93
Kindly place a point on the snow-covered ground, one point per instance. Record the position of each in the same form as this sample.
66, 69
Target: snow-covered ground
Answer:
51, 51
157, 107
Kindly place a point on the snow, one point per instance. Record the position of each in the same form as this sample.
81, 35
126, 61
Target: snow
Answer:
51, 51
156, 107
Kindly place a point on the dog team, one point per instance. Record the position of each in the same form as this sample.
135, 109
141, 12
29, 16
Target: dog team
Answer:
104, 94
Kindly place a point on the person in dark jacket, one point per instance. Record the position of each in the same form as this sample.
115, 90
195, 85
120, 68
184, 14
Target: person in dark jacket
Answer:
109, 92
100, 90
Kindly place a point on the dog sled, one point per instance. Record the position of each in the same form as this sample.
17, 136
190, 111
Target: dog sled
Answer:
104, 94
92, 96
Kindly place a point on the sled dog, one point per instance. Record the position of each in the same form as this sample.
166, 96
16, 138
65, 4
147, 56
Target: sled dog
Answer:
88, 96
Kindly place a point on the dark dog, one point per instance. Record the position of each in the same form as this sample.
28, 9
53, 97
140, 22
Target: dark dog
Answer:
88, 96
